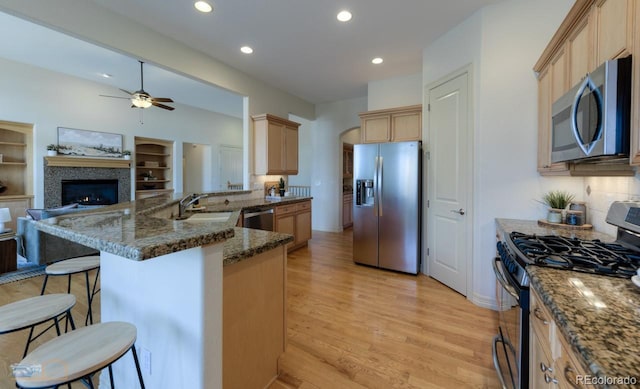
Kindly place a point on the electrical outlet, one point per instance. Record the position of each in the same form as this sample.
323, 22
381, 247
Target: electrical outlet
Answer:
145, 360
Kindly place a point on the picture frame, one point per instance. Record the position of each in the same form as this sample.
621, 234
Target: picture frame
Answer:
86, 143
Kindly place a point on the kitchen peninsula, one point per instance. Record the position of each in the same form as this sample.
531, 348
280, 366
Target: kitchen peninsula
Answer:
189, 287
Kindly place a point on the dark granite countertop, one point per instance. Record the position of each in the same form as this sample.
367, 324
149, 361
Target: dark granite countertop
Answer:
598, 315
532, 227
143, 229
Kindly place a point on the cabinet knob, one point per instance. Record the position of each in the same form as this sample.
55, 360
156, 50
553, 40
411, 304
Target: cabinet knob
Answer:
538, 314
550, 380
544, 368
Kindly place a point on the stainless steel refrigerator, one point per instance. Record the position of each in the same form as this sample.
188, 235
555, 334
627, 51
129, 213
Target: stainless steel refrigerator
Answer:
387, 208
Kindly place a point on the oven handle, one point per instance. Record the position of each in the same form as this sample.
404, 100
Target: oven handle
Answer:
500, 277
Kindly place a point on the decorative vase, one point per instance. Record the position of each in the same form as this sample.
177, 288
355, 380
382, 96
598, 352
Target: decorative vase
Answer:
127, 157
281, 192
554, 215
52, 153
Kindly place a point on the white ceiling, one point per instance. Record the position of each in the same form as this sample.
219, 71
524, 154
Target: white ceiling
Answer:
299, 46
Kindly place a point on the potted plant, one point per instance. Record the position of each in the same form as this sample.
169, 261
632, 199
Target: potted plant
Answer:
52, 150
281, 187
148, 176
126, 154
557, 201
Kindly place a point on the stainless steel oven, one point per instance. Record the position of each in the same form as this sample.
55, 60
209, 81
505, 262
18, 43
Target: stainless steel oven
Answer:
511, 344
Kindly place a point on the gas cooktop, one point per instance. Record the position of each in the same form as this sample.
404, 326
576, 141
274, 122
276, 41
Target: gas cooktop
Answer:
590, 256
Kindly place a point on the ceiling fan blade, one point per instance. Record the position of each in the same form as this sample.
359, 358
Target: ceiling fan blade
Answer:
126, 91
162, 106
116, 97
162, 99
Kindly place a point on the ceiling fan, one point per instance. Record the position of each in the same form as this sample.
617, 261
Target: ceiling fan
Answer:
141, 99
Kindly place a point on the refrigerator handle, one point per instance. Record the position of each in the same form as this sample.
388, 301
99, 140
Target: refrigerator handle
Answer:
375, 188
380, 183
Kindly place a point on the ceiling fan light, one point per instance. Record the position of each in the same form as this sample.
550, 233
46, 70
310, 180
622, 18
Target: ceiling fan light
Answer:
203, 6
141, 103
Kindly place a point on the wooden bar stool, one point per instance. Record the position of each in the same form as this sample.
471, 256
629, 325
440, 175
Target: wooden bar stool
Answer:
68, 267
79, 354
30, 312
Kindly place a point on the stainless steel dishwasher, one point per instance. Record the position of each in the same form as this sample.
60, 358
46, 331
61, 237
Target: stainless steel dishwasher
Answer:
258, 218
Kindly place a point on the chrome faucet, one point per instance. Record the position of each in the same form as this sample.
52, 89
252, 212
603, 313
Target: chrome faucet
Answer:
186, 201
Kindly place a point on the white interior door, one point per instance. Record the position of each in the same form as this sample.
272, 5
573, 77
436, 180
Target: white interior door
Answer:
449, 183
230, 163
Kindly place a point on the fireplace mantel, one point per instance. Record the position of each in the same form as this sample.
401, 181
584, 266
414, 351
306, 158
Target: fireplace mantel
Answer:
66, 161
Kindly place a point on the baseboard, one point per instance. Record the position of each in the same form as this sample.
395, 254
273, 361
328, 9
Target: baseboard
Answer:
484, 301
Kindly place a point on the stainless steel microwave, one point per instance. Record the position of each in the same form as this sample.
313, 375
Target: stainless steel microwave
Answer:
591, 121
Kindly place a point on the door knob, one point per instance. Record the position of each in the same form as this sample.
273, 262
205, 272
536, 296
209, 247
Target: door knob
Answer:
460, 211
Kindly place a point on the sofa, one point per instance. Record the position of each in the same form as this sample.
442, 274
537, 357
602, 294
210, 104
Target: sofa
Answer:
41, 248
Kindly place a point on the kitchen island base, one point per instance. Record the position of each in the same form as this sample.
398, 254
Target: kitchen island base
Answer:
175, 302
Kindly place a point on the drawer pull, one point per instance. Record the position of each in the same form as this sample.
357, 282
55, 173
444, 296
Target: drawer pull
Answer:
544, 368
571, 377
550, 380
538, 314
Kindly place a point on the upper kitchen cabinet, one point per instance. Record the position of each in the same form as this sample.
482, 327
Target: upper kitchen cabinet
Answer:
392, 125
552, 83
275, 145
593, 32
614, 25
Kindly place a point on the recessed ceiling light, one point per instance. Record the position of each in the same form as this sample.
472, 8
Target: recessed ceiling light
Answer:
377, 61
246, 49
105, 75
344, 16
203, 6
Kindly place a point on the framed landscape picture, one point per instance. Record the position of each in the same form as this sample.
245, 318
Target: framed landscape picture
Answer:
86, 143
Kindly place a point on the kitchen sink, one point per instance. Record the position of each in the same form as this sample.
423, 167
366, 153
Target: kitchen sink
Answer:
218, 217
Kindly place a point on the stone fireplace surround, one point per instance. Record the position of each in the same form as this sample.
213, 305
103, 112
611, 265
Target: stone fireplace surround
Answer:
53, 176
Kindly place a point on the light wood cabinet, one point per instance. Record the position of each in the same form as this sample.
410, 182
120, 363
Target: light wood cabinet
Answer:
154, 167
580, 46
347, 210
275, 145
254, 328
294, 219
347, 160
614, 28
16, 148
552, 362
392, 125
593, 32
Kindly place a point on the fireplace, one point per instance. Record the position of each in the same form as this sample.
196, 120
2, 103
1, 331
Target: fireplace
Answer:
90, 192
54, 176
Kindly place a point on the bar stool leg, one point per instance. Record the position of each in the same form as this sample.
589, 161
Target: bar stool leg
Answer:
89, 317
111, 377
93, 293
44, 285
135, 359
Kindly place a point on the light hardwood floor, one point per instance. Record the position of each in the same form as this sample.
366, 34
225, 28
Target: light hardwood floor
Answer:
349, 326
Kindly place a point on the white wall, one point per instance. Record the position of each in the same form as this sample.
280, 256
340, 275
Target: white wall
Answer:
326, 162
305, 152
49, 100
96, 24
395, 92
502, 42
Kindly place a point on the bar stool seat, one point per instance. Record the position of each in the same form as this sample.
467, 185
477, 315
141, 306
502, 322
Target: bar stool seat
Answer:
79, 354
30, 312
71, 266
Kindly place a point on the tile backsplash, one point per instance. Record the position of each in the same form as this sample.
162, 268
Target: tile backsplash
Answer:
600, 192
